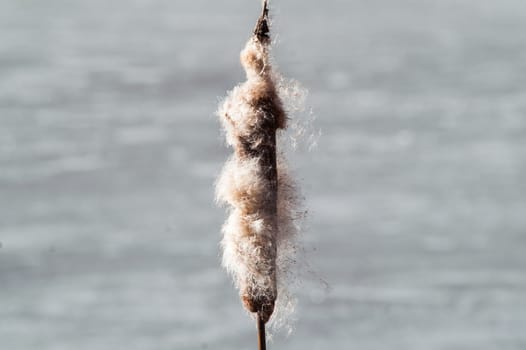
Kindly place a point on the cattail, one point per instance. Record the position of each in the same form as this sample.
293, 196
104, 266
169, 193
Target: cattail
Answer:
254, 182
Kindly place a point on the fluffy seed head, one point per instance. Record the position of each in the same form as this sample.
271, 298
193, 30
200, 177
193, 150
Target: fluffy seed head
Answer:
255, 184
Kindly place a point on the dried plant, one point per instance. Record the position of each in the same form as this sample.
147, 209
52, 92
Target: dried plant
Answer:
258, 235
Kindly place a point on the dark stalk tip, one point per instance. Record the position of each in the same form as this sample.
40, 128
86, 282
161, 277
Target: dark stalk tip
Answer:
262, 31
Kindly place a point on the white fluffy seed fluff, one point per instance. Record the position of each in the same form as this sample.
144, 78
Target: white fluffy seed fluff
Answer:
258, 236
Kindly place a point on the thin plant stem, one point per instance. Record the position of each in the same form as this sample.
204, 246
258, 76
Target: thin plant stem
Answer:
262, 344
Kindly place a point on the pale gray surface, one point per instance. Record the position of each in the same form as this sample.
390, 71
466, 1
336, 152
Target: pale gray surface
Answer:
109, 149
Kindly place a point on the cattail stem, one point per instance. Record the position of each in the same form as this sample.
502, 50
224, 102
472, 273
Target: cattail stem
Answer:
262, 344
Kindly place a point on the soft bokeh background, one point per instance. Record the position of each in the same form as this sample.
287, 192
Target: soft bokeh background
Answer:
109, 149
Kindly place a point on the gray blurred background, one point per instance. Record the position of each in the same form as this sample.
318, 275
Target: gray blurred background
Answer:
109, 148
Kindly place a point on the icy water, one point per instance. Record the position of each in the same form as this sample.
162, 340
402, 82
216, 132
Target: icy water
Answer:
416, 192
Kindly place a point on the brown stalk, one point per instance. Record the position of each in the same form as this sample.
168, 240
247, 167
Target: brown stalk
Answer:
262, 344
268, 162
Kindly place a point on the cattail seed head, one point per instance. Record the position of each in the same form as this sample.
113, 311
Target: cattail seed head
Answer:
254, 182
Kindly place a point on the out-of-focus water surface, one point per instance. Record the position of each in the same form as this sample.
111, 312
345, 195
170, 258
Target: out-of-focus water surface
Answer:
109, 149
